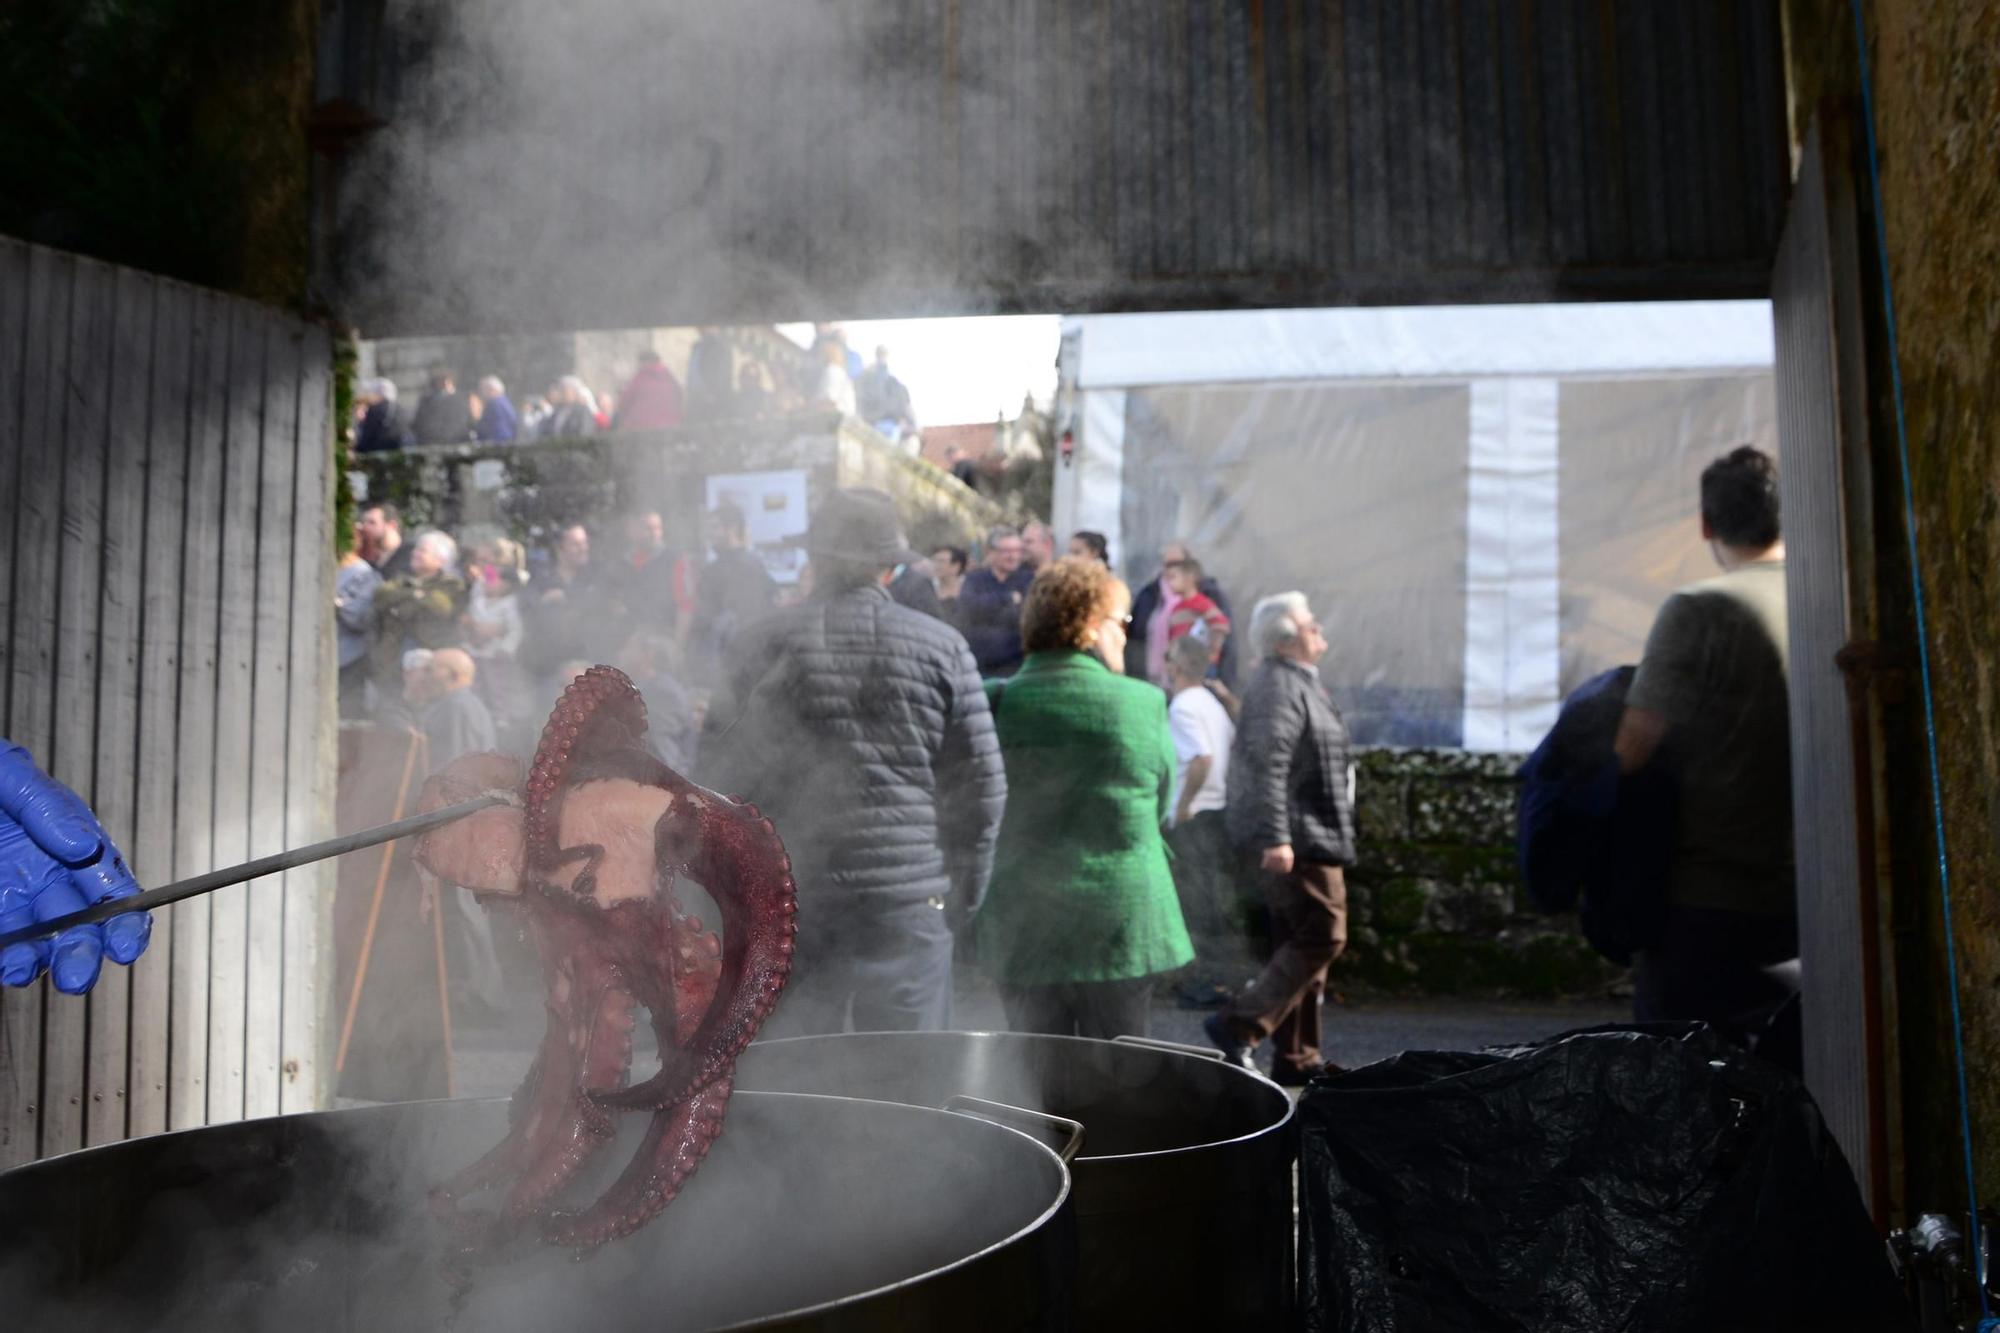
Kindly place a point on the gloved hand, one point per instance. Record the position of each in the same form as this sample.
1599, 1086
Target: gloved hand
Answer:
55, 858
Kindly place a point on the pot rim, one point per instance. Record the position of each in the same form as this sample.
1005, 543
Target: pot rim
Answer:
1064, 1182
1230, 1071
1042, 1219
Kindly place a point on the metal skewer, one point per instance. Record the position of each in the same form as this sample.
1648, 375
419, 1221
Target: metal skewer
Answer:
263, 865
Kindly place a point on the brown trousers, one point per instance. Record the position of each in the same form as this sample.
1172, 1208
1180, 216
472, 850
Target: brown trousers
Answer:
1308, 931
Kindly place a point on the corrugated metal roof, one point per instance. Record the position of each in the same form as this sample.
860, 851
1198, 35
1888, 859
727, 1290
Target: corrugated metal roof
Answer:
783, 158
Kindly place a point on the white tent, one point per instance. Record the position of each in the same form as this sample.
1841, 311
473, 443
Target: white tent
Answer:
1486, 504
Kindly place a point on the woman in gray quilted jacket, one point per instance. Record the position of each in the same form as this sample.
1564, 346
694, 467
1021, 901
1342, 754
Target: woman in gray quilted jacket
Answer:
1291, 816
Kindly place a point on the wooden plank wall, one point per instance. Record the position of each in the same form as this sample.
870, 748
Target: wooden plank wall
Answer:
166, 649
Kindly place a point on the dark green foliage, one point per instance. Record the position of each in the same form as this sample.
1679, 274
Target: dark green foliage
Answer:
1435, 903
168, 135
346, 353
555, 483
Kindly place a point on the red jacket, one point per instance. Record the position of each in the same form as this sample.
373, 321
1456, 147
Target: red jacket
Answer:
652, 401
1197, 609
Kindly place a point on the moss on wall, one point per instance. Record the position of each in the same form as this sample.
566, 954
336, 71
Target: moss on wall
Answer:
532, 489
1936, 71
346, 355
1435, 902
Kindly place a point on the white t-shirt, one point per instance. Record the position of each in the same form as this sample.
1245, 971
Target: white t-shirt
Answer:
1201, 726
836, 388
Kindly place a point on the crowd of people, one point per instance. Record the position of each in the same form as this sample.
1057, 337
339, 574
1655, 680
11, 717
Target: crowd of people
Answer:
1003, 699
990, 772
963, 761
834, 376
525, 622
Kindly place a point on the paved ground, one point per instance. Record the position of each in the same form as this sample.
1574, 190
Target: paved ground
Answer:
493, 1055
1361, 1032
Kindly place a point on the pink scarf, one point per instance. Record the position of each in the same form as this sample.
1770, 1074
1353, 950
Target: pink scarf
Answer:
1156, 636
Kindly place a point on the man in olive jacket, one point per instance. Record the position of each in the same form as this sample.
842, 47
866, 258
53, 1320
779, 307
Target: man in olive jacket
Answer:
1290, 815
860, 728
418, 609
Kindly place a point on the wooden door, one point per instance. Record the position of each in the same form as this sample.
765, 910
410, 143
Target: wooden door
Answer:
1825, 493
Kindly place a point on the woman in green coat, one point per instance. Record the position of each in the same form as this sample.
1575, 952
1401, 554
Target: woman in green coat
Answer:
1080, 915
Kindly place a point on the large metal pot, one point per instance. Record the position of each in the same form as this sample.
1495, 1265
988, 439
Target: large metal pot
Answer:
810, 1213
1184, 1181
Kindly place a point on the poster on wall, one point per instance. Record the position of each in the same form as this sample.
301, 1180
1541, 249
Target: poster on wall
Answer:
774, 511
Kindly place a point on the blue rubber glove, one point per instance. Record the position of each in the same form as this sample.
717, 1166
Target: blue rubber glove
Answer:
55, 858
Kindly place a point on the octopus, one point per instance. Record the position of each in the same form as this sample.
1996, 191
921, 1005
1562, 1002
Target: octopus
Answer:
587, 850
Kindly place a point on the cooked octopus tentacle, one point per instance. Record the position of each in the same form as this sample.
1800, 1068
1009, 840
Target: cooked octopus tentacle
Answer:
576, 1128
739, 853
676, 1142
613, 936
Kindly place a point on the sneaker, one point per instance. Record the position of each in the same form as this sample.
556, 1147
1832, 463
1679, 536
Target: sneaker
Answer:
1286, 1076
1234, 1049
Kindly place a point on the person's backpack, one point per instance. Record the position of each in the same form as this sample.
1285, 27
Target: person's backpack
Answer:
1587, 836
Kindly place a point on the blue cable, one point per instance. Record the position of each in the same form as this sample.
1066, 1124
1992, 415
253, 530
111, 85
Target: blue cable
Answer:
1987, 1320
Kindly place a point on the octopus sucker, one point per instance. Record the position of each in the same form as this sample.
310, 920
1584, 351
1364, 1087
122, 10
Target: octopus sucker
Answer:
586, 854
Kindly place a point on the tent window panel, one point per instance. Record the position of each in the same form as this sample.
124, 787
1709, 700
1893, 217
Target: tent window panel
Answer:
1354, 493
1632, 451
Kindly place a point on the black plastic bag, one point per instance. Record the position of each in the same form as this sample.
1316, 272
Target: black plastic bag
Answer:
1614, 1179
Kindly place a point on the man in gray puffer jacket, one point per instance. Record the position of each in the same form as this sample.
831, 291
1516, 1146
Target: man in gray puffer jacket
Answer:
860, 728
1291, 816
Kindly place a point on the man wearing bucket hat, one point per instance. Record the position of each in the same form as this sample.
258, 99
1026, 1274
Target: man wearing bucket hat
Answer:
860, 728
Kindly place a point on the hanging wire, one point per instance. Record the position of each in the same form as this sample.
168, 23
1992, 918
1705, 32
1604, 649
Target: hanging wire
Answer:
1987, 1321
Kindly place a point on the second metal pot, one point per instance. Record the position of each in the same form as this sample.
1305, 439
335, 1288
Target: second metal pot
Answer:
1183, 1186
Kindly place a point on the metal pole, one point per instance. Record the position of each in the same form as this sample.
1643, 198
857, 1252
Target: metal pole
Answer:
266, 865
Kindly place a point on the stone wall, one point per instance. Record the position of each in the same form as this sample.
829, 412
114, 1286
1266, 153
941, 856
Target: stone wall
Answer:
530, 490
1436, 903
938, 509
1936, 71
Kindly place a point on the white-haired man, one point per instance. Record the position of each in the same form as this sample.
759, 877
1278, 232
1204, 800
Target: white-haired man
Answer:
382, 425
498, 422
1290, 814
417, 609
573, 410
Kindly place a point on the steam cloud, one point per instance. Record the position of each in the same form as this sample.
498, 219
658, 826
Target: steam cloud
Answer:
629, 163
